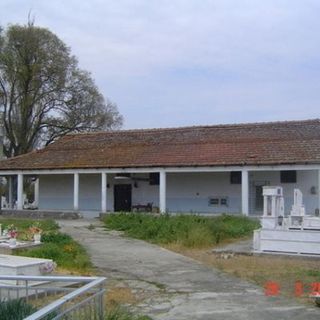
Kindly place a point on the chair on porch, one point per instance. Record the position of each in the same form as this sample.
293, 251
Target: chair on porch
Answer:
142, 207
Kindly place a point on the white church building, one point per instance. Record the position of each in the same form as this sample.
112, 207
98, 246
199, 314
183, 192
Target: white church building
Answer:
201, 169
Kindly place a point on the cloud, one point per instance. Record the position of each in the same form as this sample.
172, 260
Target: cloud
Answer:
191, 62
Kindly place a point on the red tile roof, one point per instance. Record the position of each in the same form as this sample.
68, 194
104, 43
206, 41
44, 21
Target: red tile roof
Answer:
291, 142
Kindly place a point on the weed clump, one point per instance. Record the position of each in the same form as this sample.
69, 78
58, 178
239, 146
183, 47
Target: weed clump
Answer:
188, 230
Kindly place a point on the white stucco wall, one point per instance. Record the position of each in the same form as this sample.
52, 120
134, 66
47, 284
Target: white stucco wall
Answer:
186, 192
56, 192
190, 192
305, 180
145, 193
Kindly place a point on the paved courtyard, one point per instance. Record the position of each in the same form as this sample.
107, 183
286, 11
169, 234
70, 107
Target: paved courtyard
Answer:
174, 287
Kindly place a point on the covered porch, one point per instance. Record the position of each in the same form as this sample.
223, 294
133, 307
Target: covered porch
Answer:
206, 190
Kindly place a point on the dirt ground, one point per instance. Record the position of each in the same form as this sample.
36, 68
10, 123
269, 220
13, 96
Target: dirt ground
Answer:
290, 276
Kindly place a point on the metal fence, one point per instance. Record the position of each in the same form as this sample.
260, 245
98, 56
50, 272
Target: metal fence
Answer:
80, 298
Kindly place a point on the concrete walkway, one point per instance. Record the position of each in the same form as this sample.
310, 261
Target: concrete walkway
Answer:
175, 287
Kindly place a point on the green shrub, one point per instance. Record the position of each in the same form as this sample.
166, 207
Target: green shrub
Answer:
188, 230
56, 237
15, 309
313, 273
48, 251
19, 309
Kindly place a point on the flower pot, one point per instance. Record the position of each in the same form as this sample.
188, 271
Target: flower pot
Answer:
12, 242
37, 238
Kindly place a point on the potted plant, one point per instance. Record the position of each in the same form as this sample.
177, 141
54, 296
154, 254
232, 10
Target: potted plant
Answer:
12, 234
36, 231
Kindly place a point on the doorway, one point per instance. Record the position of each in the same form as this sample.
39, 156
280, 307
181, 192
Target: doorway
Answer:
256, 196
122, 197
259, 198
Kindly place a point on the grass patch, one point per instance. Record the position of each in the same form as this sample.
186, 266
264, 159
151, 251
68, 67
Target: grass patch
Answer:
118, 296
60, 247
117, 301
187, 230
122, 314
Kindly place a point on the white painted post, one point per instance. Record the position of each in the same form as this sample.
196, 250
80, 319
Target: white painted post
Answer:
273, 206
10, 193
20, 192
104, 182
245, 191
36, 192
265, 206
76, 192
162, 191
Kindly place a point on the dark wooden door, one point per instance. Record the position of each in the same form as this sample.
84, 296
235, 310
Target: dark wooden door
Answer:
122, 197
259, 198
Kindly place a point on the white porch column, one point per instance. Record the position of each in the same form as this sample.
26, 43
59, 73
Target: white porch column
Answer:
265, 206
76, 191
10, 186
20, 192
104, 182
36, 192
162, 191
245, 191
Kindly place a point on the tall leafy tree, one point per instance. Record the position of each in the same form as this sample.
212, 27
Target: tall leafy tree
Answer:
43, 92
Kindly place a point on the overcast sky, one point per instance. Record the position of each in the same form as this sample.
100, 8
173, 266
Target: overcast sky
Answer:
191, 62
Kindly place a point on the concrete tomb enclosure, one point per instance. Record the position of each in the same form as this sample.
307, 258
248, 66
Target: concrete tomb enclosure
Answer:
273, 204
297, 233
18, 265
6, 247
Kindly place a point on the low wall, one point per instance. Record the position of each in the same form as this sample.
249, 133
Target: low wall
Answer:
40, 214
287, 241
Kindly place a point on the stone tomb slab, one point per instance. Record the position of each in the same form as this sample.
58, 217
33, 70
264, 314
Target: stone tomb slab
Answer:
18, 265
5, 247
